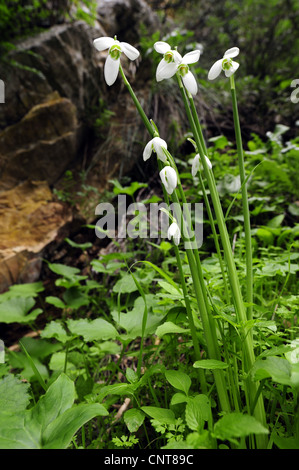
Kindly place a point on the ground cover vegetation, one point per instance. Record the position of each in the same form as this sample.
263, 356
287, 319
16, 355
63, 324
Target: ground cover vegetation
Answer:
154, 344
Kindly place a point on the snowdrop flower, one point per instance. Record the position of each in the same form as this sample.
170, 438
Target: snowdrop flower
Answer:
174, 232
173, 62
112, 63
169, 179
226, 64
196, 164
156, 145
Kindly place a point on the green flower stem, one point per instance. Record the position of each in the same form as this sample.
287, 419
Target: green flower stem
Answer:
206, 318
202, 378
232, 271
143, 116
215, 237
246, 213
153, 132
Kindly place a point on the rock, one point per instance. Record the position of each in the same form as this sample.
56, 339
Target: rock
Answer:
41, 145
124, 17
30, 220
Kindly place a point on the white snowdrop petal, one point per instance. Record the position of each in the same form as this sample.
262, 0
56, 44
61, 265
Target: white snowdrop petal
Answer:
232, 52
158, 144
191, 57
165, 70
195, 165
162, 47
234, 66
215, 70
111, 69
174, 232
147, 150
103, 43
208, 162
131, 52
190, 83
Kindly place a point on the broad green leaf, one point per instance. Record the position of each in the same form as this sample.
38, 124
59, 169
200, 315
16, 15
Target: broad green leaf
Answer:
290, 443
178, 398
63, 270
116, 389
54, 329
93, 330
174, 291
125, 285
198, 410
59, 433
75, 298
170, 327
16, 310
276, 221
178, 380
274, 367
132, 321
23, 290
236, 425
131, 375
56, 301
210, 364
59, 397
14, 395
163, 415
133, 419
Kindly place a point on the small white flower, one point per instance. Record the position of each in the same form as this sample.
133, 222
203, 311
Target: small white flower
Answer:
169, 178
196, 164
226, 64
174, 232
115, 47
156, 145
173, 62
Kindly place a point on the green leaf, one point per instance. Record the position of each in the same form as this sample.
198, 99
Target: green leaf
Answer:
16, 310
178, 380
63, 270
54, 329
178, 398
56, 301
125, 285
92, 330
133, 419
81, 246
163, 415
210, 364
24, 290
198, 410
59, 433
236, 425
14, 396
117, 389
170, 327
276, 221
278, 369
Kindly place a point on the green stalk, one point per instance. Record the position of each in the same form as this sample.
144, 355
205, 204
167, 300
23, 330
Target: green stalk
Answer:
143, 116
232, 271
187, 302
246, 213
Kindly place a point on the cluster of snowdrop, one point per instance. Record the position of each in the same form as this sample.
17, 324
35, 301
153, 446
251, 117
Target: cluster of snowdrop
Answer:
170, 65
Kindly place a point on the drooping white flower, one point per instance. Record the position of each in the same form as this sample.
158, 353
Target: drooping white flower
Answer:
116, 48
226, 64
196, 164
169, 178
173, 62
174, 232
156, 145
